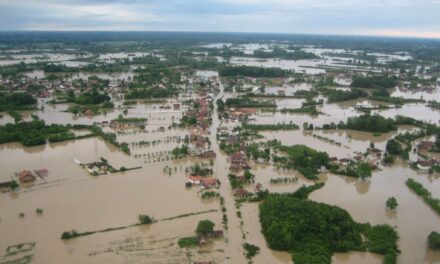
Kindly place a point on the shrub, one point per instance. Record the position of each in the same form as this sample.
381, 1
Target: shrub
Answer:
205, 227
145, 219
251, 250
434, 240
187, 242
391, 203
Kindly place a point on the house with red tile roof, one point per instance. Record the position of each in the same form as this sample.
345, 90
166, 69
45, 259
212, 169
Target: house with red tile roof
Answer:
25, 176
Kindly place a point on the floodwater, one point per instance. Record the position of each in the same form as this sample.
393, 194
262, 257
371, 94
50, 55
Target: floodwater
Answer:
73, 199
419, 111
365, 201
288, 89
299, 65
116, 76
41, 57
111, 57
428, 95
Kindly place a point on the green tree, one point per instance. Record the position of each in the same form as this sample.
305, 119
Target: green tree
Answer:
393, 147
145, 219
391, 203
434, 240
205, 227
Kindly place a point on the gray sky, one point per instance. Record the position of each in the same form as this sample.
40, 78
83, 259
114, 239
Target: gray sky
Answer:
415, 18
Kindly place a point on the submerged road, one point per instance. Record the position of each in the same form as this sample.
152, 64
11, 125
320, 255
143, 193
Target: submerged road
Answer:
234, 239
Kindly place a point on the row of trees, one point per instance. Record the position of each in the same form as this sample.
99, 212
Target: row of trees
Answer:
335, 95
424, 194
374, 81
369, 123
302, 158
16, 101
284, 54
262, 127
250, 71
248, 102
32, 133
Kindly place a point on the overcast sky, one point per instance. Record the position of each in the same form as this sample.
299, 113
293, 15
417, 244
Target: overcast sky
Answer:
416, 18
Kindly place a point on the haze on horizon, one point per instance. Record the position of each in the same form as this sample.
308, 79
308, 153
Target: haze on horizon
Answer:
406, 18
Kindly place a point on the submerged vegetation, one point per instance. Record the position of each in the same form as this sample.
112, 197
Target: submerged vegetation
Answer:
426, 195
17, 101
314, 231
34, 133
250, 71
300, 157
262, 127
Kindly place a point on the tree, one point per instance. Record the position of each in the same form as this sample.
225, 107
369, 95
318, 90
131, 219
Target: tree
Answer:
220, 105
305, 125
434, 240
251, 250
391, 203
205, 227
145, 219
393, 147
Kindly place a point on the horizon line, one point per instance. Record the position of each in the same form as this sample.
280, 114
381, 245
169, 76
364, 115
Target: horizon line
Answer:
222, 32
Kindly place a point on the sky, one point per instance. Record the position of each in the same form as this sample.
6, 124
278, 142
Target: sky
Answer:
407, 18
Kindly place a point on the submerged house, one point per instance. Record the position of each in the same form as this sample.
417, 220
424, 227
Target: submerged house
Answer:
242, 193
217, 234
25, 176
99, 167
237, 158
209, 182
195, 179
425, 145
426, 164
210, 154
344, 162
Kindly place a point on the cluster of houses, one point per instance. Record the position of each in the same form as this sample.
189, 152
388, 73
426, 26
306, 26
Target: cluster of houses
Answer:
203, 182
198, 132
372, 157
50, 87
235, 115
426, 165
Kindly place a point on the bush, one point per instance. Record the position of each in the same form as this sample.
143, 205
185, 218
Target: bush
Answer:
393, 147
391, 203
425, 194
68, 235
145, 219
187, 242
434, 240
205, 227
251, 250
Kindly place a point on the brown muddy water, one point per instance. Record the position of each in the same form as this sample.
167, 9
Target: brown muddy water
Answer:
73, 199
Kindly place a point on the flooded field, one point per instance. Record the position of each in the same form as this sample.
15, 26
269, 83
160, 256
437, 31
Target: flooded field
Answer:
172, 142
